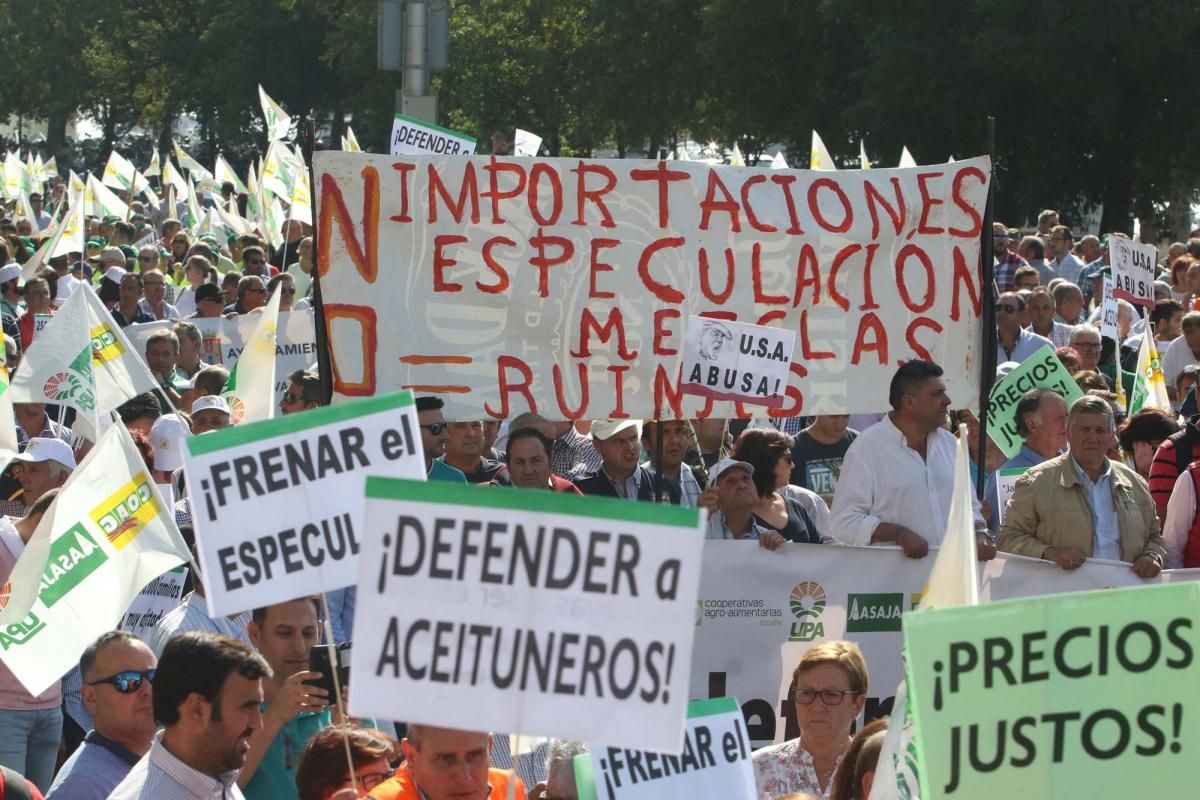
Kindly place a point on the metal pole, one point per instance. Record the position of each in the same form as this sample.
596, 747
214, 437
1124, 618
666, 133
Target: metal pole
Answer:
324, 358
416, 73
988, 318
658, 460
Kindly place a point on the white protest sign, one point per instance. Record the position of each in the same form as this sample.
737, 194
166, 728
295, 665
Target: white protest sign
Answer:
737, 361
526, 144
277, 504
1006, 484
503, 609
414, 137
160, 596
1108, 312
713, 765
1132, 270
1009, 576
222, 340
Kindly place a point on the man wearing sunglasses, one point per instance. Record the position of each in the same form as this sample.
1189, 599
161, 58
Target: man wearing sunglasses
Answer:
118, 670
1014, 343
251, 294
434, 433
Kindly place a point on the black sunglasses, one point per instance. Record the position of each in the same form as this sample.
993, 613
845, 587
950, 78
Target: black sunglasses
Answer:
435, 428
1005, 307
128, 681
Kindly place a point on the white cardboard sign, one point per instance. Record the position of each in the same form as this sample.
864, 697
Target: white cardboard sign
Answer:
1132, 270
506, 610
277, 504
737, 361
415, 137
713, 765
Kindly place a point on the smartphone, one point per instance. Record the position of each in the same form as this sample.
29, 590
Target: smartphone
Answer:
318, 661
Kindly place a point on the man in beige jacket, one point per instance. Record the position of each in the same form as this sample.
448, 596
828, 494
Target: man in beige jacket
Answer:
1083, 505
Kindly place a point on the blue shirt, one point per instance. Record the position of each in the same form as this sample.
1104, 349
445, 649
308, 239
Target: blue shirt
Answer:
92, 771
628, 489
1026, 345
441, 471
1106, 529
1026, 458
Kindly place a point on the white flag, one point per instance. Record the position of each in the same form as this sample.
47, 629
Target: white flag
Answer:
118, 172
223, 172
350, 141
778, 161
8, 422
106, 535
906, 159
250, 389
68, 236
820, 158
16, 178
100, 201
736, 159
301, 208
1149, 384
953, 581
154, 168
196, 171
82, 359
863, 161
173, 177
278, 122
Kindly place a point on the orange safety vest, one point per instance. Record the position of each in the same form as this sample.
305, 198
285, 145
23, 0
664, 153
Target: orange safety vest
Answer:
401, 787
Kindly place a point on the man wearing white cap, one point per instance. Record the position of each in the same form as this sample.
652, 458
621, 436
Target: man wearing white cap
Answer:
619, 443
210, 413
46, 464
736, 496
10, 298
167, 435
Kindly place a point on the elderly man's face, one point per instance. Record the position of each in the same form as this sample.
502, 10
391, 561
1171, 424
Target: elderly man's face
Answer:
1087, 344
1090, 436
711, 341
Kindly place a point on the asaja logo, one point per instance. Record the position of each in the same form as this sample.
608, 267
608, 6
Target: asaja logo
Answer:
127, 511
873, 612
807, 602
105, 344
73, 556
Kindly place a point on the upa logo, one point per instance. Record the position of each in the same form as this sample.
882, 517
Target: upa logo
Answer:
807, 602
127, 511
105, 344
873, 613
18, 633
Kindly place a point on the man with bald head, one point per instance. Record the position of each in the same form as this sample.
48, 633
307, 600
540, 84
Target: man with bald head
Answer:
444, 763
1014, 343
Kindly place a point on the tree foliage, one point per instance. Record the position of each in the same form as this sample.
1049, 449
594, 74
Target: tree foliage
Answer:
1092, 101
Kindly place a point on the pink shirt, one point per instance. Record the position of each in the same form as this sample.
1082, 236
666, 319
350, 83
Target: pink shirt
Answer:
13, 695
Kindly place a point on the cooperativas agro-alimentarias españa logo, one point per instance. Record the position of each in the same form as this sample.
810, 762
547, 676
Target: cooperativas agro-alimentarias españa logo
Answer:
807, 602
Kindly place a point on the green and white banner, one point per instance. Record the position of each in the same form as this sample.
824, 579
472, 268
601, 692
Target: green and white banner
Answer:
520, 610
277, 504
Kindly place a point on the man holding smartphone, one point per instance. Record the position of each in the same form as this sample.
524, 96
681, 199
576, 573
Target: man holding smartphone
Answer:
293, 709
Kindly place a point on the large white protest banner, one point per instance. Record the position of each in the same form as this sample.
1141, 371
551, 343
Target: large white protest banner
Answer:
562, 285
106, 535
509, 610
277, 504
222, 341
758, 609
1009, 576
414, 137
737, 361
713, 765
1133, 266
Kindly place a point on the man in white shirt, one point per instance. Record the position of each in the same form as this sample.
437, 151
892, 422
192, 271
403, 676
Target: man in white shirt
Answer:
897, 478
1184, 350
1060, 242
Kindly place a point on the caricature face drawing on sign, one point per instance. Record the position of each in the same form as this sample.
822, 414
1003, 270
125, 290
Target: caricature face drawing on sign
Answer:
712, 338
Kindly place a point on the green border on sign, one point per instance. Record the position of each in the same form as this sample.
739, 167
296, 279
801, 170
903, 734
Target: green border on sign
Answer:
712, 707
439, 128
531, 500
295, 423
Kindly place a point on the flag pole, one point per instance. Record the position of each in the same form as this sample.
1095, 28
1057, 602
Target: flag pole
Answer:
988, 316
337, 685
324, 357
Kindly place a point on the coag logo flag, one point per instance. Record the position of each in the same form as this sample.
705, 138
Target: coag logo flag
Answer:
106, 535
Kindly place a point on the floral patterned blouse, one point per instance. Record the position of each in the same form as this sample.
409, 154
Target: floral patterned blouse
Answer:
786, 768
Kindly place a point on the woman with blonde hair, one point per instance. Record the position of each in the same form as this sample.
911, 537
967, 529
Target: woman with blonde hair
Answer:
829, 689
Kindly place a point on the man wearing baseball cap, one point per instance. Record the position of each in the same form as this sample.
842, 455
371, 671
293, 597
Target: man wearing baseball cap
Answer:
736, 496
210, 413
619, 443
46, 464
10, 297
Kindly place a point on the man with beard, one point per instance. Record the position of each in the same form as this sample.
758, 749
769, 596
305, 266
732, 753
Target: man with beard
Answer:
675, 435
1007, 262
207, 693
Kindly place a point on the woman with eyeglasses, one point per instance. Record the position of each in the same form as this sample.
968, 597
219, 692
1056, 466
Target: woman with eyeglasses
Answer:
323, 773
790, 513
829, 688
